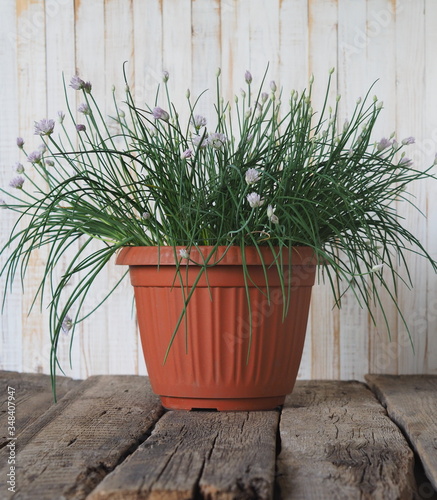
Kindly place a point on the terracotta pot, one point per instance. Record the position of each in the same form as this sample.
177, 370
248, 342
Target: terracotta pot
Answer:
215, 361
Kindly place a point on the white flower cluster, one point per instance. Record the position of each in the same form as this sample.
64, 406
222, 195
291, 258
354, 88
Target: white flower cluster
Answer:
254, 199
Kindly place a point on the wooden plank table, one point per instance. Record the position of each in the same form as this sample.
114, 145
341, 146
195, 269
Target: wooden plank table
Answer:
109, 438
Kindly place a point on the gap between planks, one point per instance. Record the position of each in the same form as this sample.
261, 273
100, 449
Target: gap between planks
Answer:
411, 402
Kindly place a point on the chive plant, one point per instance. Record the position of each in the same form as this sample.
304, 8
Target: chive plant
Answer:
266, 170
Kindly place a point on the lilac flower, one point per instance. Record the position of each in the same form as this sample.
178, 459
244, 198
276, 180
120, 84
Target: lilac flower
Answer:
35, 157
80, 127
44, 127
217, 140
61, 116
273, 86
184, 254
264, 97
42, 148
77, 83
406, 162
50, 163
67, 324
200, 141
271, 216
252, 175
384, 143
248, 77
84, 108
17, 182
19, 168
188, 153
255, 200
87, 87
165, 76
160, 114
408, 140
20, 142
198, 121
146, 215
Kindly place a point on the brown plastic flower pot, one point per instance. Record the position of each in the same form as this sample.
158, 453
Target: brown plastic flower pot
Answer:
216, 359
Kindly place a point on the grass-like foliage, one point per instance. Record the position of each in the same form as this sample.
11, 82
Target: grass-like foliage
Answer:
266, 169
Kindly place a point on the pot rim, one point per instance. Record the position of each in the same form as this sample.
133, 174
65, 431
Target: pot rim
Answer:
210, 255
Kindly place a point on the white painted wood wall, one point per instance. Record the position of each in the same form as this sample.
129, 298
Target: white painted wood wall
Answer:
394, 41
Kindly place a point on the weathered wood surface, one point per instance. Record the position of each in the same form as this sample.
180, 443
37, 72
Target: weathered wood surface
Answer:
200, 455
108, 438
411, 402
67, 451
337, 442
30, 396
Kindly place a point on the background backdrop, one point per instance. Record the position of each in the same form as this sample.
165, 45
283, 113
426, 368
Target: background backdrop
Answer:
394, 41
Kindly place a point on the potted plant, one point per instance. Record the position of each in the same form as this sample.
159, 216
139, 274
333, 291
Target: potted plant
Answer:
244, 204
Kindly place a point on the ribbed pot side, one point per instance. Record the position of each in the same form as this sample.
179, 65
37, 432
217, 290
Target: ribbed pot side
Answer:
217, 360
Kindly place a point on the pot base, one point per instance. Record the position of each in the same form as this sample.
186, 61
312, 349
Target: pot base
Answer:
242, 404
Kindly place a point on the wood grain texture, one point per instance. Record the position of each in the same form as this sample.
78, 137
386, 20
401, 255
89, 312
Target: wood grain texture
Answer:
352, 19
10, 322
410, 20
74, 444
32, 102
426, 149
411, 402
199, 454
32, 397
337, 442
378, 44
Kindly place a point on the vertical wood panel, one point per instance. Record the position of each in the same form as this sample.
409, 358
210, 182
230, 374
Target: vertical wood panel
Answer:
120, 324
293, 29
92, 335
10, 319
177, 50
427, 146
235, 44
325, 328
264, 38
379, 43
410, 71
31, 62
206, 39
147, 19
60, 56
294, 74
352, 84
